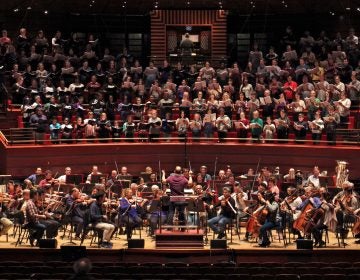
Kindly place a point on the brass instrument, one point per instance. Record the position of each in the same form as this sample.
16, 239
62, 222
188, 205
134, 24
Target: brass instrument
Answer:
342, 173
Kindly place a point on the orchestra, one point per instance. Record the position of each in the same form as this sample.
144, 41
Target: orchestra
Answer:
119, 203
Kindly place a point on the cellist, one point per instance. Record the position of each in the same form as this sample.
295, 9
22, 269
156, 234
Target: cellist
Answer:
289, 206
272, 219
251, 226
346, 203
321, 218
310, 202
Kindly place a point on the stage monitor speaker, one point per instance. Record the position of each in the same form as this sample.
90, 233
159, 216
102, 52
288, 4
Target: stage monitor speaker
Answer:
48, 243
136, 243
73, 253
218, 244
304, 244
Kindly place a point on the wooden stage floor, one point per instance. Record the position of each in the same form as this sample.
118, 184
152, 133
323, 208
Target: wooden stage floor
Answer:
238, 251
120, 242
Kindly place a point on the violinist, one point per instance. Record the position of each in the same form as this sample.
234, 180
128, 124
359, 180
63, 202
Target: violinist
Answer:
99, 220
112, 179
272, 218
128, 214
239, 196
48, 220
346, 203
196, 207
156, 209
227, 213
49, 180
75, 210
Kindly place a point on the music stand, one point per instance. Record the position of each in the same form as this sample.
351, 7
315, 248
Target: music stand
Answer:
74, 179
145, 176
125, 177
4, 179
95, 179
86, 188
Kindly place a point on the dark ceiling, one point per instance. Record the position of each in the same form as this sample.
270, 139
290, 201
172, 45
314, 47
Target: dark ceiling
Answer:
144, 6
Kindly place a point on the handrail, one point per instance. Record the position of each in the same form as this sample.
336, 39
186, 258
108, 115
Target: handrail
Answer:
181, 140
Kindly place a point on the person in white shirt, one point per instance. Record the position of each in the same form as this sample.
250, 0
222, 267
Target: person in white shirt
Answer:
314, 178
343, 107
62, 178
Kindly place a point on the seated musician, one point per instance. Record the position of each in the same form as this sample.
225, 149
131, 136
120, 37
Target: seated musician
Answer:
177, 182
95, 171
48, 181
346, 203
128, 214
33, 215
314, 178
289, 207
5, 223
124, 171
98, 219
44, 207
62, 178
112, 179
74, 210
272, 218
227, 213
239, 196
322, 218
156, 209
196, 207
34, 177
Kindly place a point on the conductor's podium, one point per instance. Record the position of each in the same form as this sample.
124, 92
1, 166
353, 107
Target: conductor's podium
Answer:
190, 237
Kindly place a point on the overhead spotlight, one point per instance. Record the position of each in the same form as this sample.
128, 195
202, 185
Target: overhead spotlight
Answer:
28, 8
156, 5
46, 12
16, 10
348, 8
332, 13
358, 9
220, 4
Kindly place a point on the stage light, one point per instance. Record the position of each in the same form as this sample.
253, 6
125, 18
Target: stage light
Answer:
16, 10
156, 5
46, 12
28, 8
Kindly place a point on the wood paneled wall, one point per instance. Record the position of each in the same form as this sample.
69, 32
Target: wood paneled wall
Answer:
215, 18
22, 160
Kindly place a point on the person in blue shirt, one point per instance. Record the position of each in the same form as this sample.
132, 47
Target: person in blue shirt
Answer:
128, 214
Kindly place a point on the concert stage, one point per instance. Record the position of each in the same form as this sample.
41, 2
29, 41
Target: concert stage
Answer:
239, 251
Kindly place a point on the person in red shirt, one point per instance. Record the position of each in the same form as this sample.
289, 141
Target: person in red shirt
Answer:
289, 89
177, 183
4, 40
